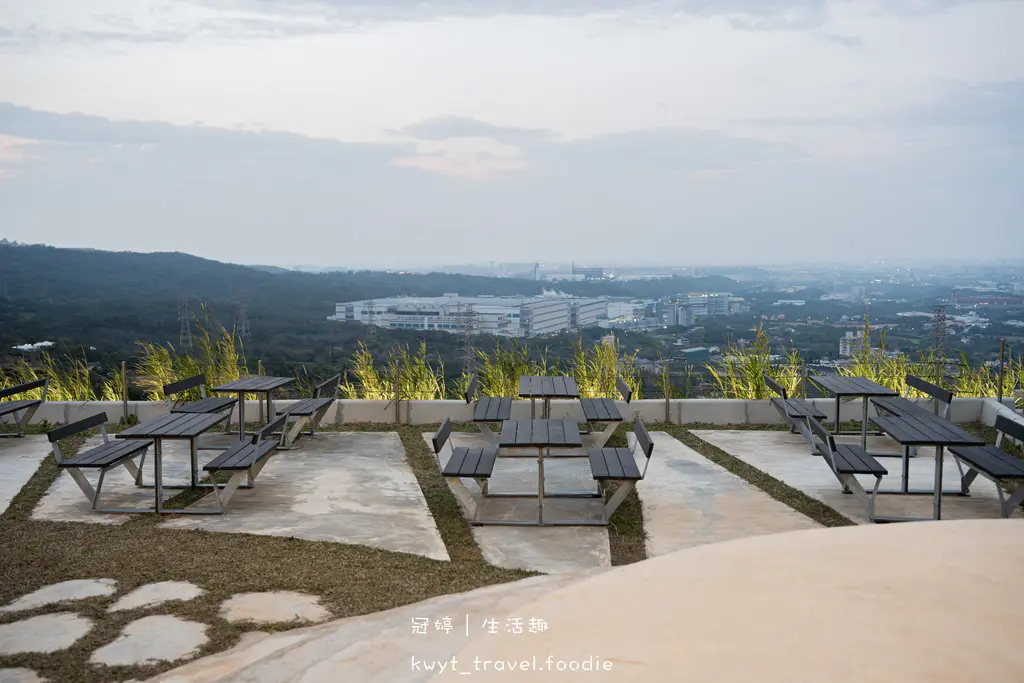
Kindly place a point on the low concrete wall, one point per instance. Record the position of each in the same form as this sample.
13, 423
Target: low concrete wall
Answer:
714, 411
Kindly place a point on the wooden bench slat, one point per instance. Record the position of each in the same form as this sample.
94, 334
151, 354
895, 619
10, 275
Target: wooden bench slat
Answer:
991, 460
850, 459
107, 454
306, 406
616, 464
473, 463
210, 404
7, 407
241, 457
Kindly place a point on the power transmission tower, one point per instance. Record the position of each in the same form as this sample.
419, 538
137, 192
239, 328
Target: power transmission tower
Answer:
467, 320
371, 320
185, 334
242, 318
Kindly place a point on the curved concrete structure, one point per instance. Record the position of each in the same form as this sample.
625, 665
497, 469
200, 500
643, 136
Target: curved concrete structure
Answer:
913, 602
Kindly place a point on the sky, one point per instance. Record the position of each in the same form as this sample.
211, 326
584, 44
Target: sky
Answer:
396, 133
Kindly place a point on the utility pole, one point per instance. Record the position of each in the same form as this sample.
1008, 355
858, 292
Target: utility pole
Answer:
468, 328
371, 320
242, 317
185, 333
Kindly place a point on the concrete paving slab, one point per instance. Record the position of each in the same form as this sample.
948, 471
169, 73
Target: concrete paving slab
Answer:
65, 591
19, 460
543, 549
374, 648
150, 640
785, 456
347, 487
65, 502
20, 676
273, 607
157, 594
689, 500
43, 633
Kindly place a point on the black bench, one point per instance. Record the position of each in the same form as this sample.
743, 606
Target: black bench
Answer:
244, 461
105, 457
465, 463
309, 411
995, 464
847, 461
27, 407
900, 406
619, 465
794, 411
487, 409
605, 410
205, 404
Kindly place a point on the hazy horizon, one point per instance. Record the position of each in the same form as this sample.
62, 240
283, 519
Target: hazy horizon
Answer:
393, 134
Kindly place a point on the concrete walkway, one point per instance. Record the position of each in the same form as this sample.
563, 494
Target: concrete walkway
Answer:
19, 460
689, 500
786, 457
542, 549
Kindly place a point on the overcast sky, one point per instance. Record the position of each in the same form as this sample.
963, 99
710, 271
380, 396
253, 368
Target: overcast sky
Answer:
391, 133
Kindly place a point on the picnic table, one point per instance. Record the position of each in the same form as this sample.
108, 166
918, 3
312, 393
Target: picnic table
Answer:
253, 385
915, 430
175, 426
541, 434
546, 388
853, 387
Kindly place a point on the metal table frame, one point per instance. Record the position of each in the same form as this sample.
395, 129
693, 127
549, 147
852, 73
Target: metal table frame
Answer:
253, 385
867, 390
546, 388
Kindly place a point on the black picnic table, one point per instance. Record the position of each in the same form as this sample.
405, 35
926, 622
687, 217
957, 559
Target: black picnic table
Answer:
853, 387
175, 426
547, 388
253, 385
916, 430
542, 434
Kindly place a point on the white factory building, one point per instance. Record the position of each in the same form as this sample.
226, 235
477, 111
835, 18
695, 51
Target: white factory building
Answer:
505, 316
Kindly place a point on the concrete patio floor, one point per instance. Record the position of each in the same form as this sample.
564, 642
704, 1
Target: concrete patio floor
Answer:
542, 549
689, 500
347, 487
19, 460
787, 457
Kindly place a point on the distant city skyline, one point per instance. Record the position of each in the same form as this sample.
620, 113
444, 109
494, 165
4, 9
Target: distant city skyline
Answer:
396, 133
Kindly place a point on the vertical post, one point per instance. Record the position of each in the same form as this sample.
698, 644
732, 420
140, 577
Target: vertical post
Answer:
259, 371
124, 389
668, 394
803, 379
1002, 369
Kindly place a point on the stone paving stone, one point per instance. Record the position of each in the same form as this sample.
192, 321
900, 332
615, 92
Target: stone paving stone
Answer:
65, 591
43, 633
20, 676
157, 593
19, 460
151, 640
273, 607
689, 500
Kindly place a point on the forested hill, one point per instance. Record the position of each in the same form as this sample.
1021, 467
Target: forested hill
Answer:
114, 298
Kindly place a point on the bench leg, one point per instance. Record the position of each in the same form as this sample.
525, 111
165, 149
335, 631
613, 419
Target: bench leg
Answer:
94, 494
318, 416
850, 484
465, 497
1007, 508
289, 436
605, 434
616, 500
20, 423
485, 429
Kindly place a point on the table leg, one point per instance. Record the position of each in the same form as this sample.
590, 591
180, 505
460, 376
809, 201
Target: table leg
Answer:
837, 413
270, 407
158, 477
906, 469
241, 417
540, 485
938, 482
194, 462
864, 426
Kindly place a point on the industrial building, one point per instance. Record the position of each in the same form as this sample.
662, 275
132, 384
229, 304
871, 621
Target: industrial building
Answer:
505, 316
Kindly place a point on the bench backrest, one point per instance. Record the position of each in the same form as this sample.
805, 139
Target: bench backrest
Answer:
819, 430
624, 389
183, 385
319, 388
75, 427
472, 387
933, 390
776, 387
280, 422
643, 438
27, 386
441, 437
1011, 428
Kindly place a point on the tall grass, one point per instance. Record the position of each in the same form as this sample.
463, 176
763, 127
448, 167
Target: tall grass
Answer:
407, 375
70, 379
741, 371
596, 369
499, 374
984, 381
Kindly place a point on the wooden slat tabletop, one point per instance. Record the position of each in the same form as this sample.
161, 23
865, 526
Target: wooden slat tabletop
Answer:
539, 433
851, 386
258, 383
173, 426
548, 387
915, 430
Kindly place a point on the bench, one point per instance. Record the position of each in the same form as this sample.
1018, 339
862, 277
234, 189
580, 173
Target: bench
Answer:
27, 407
205, 404
244, 461
605, 410
105, 457
465, 463
794, 411
847, 461
995, 464
619, 465
487, 409
309, 411
899, 406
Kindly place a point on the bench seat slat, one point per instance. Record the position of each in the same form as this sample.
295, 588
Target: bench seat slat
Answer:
600, 410
991, 460
613, 464
14, 406
241, 457
797, 408
850, 459
492, 409
107, 454
306, 407
473, 463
